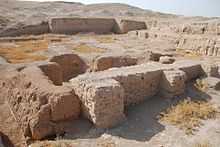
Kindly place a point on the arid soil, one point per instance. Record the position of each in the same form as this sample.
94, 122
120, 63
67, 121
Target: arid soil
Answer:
100, 90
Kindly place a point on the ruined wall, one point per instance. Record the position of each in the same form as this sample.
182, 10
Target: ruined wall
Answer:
71, 65
36, 29
109, 61
133, 84
200, 28
201, 45
78, 25
130, 25
75, 25
39, 106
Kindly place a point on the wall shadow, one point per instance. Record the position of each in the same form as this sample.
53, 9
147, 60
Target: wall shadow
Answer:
142, 121
5, 141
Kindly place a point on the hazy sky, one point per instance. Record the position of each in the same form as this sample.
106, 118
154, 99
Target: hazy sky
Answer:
185, 7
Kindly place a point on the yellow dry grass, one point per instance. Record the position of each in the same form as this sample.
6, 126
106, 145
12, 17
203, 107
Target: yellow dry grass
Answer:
84, 48
105, 39
105, 143
57, 143
188, 54
188, 115
201, 85
205, 144
22, 51
99, 38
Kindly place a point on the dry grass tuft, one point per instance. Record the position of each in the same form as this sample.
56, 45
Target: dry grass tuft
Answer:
201, 85
57, 143
106, 143
188, 54
205, 144
187, 115
105, 39
84, 48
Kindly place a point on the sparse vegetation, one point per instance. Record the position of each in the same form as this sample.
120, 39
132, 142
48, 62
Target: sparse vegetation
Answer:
22, 51
188, 114
201, 85
188, 54
59, 143
205, 144
105, 39
84, 48
106, 143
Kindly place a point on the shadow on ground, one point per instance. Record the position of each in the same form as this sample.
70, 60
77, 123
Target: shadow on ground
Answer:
142, 120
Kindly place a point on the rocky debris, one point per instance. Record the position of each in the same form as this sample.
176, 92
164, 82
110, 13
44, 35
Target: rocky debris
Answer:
109, 61
166, 60
39, 106
213, 82
143, 34
155, 56
71, 64
172, 83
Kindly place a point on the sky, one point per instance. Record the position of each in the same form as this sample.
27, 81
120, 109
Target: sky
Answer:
182, 7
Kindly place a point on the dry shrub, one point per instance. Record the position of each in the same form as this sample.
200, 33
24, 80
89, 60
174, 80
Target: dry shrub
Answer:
205, 144
188, 54
105, 39
106, 143
84, 48
188, 115
57, 143
201, 85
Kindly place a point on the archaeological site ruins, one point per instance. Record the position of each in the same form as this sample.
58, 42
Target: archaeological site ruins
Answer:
66, 69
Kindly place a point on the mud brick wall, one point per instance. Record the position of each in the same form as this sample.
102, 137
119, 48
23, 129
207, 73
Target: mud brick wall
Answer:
200, 45
130, 25
102, 101
39, 106
192, 69
172, 83
37, 29
110, 61
71, 65
138, 82
78, 25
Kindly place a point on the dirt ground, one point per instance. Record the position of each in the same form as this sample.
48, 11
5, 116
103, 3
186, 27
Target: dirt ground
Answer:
142, 127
